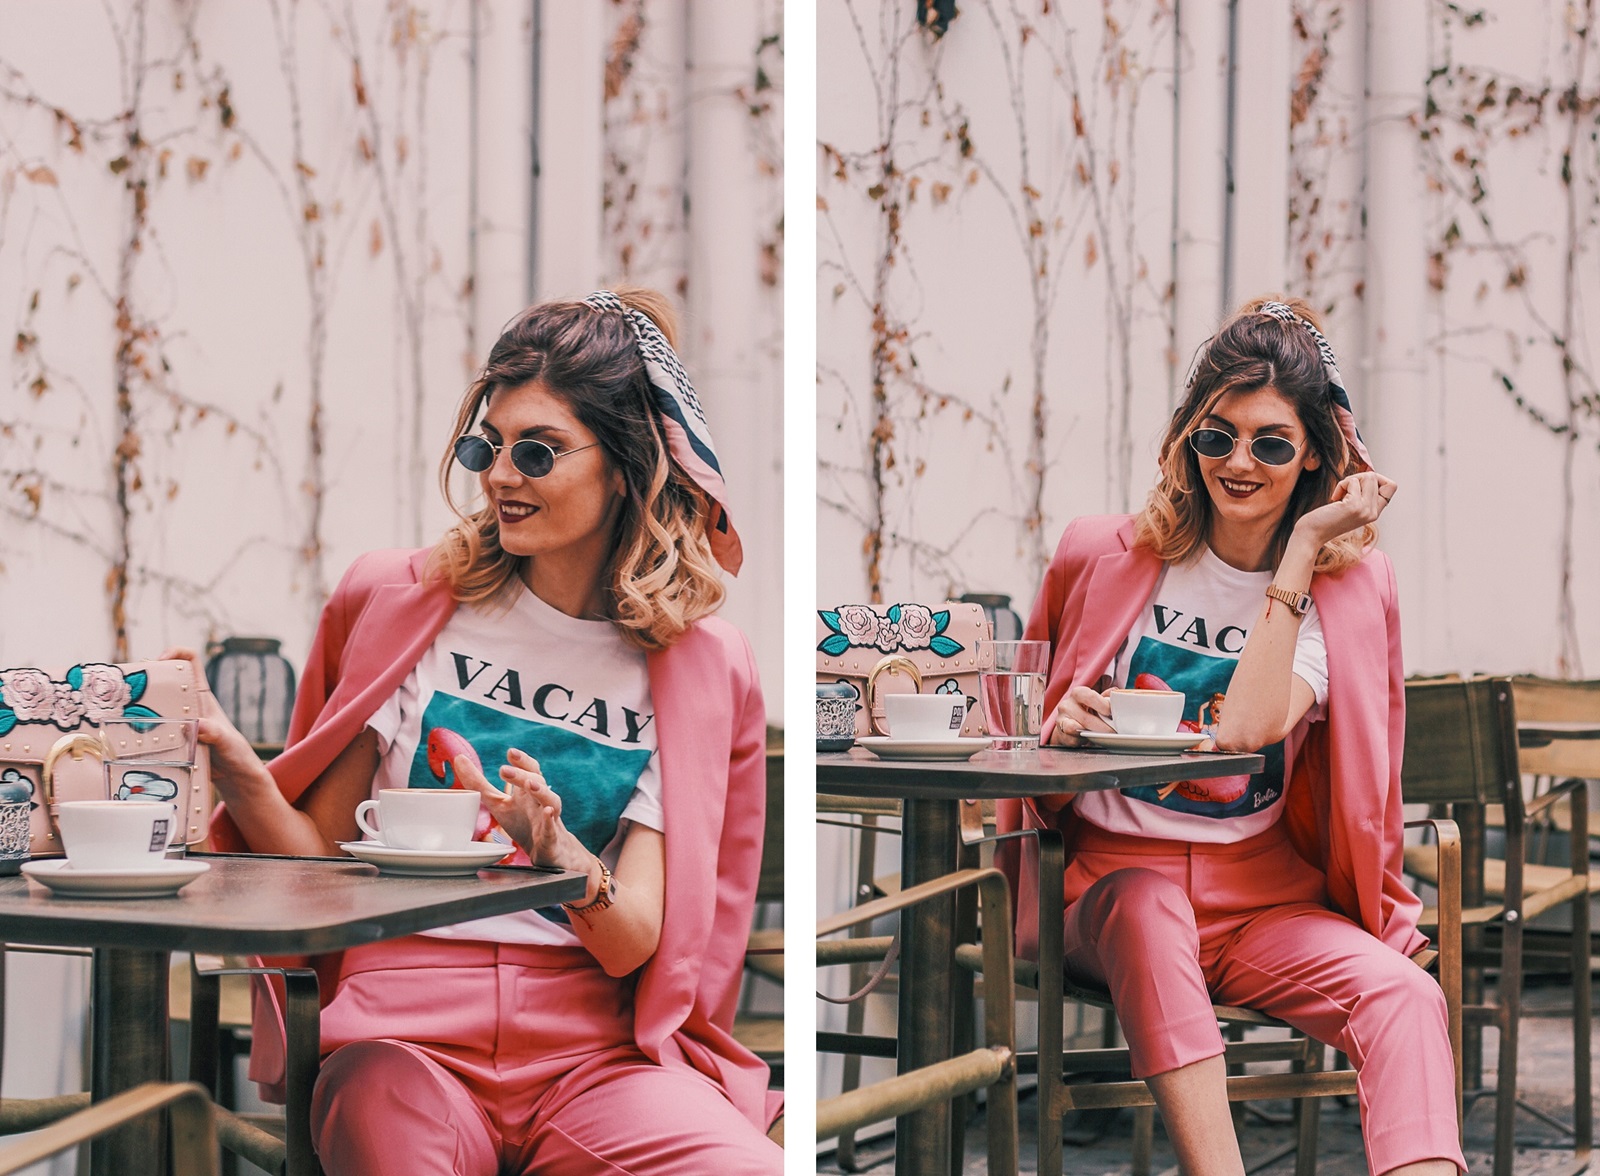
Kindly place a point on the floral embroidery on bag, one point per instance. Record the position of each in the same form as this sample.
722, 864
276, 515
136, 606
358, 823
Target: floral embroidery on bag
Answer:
94, 691
904, 626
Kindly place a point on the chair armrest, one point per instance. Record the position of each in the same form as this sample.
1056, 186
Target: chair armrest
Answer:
1576, 787
1447, 835
193, 1133
858, 827
992, 1066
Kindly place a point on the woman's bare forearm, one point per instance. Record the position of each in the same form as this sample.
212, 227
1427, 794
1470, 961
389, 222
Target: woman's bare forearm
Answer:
270, 824
1262, 705
324, 814
626, 934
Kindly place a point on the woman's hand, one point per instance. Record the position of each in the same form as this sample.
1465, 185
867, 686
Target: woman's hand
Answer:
528, 810
234, 763
1357, 501
1081, 709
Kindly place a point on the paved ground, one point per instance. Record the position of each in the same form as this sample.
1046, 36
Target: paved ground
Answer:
1544, 1075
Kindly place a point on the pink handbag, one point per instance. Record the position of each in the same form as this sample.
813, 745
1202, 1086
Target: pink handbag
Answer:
902, 648
50, 742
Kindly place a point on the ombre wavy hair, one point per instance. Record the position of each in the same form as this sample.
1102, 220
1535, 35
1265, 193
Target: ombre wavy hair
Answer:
1252, 351
661, 576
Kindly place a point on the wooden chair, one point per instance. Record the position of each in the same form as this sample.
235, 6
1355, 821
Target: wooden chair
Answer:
1465, 756
61, 1121
1306, 1083
867, 814
988, 1067
1559, 700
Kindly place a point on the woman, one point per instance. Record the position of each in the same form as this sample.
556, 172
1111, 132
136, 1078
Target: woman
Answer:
560, 633
1249, 579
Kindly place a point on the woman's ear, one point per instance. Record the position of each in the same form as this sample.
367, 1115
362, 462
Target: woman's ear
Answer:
1313, 461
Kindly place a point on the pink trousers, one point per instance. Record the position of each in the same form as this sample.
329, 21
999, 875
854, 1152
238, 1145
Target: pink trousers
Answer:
475, 1059
1171, 927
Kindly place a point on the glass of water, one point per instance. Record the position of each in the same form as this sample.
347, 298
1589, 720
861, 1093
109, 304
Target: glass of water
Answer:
151, 760
1011, 677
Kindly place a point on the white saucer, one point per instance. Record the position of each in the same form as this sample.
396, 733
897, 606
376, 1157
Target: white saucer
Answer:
468, 859
1111, 741
156, 881
921, 749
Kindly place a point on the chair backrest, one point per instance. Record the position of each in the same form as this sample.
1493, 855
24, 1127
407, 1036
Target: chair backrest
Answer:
1560, 700
1461, 742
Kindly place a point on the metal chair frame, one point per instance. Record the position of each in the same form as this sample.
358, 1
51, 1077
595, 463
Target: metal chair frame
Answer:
244, 1135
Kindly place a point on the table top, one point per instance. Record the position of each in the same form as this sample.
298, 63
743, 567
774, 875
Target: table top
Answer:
1543, 732
267, 905
1044, 772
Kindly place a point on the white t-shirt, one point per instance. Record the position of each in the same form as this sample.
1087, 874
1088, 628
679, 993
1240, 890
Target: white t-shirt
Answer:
569, 692
1188, 637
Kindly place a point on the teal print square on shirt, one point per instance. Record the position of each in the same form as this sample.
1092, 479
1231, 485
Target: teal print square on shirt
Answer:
1202, 678
594, 780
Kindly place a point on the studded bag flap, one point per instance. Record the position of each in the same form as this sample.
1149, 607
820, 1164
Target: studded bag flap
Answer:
902, 648
50, 741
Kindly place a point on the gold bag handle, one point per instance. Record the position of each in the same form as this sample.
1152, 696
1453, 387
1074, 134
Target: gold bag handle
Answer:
77, 745
895, 663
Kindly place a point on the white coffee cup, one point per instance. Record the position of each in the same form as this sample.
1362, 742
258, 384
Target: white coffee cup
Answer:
925, 716
421, 818
1145, 712
116, 834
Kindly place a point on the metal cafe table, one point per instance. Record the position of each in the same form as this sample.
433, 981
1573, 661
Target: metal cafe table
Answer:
245, 904
930, 794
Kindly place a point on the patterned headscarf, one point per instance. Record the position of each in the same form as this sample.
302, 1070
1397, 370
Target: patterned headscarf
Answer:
1341, 400
683, 422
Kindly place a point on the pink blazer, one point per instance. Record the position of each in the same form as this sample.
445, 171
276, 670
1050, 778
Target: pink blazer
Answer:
711, 733
1343, 806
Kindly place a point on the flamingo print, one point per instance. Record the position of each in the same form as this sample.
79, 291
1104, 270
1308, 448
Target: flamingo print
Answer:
1225, 790
444, 745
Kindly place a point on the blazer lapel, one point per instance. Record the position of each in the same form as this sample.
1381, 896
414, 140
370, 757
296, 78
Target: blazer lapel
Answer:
690, 692
1119, 586
395, 629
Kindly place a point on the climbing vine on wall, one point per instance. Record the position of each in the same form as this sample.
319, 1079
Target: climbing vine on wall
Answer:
938, 150
143, 151
1487, 131
96, 463
1325, 227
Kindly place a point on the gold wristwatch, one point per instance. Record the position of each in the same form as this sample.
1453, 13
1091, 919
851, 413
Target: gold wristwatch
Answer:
602, 897
1299, 603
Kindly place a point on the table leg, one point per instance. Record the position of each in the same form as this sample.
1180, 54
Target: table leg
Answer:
927, 980
129, 1047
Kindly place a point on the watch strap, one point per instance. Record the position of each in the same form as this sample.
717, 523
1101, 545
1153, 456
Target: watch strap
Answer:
602, 897
1298, 603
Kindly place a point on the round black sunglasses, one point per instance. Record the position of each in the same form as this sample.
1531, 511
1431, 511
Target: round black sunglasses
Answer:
1219, 444
533, 459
